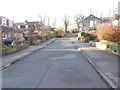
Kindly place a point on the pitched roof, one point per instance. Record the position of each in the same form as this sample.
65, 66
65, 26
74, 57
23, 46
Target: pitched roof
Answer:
118, 17
92, 16
108, 19
29, 23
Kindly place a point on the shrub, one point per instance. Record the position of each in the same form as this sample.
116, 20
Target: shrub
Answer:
87, 36
113, 47
109, 33
4, 46
52, 35
37, 42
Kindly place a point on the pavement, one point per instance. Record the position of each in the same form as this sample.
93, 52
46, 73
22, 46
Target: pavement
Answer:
105, 63
10, 59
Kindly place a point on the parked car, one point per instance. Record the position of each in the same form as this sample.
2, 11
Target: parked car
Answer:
8, 40
60, 35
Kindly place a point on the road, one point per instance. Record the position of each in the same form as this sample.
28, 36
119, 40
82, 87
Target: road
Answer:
59, 65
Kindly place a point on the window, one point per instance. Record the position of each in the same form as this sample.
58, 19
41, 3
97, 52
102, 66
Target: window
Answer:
95, 22
26, 26
91, 24
18, 26
22, 26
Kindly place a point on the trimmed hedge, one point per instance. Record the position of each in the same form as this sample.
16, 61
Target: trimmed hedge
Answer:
113, 48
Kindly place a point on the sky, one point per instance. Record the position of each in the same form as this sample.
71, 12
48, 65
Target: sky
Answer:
21, 10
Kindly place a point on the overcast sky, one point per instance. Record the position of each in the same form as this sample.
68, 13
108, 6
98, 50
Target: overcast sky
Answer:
21, 10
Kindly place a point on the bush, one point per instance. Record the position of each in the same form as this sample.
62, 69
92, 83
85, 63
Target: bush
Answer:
52, 35
37, 42
114, 48
87, 36
3, 46
109, 33
28, 42
29, 39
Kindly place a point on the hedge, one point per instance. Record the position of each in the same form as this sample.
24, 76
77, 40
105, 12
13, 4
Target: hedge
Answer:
87, 36
114, 48
9, 50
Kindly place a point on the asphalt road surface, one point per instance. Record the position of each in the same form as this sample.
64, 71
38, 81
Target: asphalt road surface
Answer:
59, 65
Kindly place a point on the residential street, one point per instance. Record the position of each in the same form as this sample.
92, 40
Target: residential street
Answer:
59, 65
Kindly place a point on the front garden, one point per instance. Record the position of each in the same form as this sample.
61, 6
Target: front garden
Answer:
106, 39
23, 42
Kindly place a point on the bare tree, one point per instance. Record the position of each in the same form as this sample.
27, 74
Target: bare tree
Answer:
48, 20
46, 29
42, 19
79, 20
54, 22
66, 23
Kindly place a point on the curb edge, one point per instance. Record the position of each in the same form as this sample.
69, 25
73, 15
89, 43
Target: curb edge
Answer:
104, 76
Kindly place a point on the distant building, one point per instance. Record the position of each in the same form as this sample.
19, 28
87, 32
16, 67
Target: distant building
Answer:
6, 22
6, 28
26, 27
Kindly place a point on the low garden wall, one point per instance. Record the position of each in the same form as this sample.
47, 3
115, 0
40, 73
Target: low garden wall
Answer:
34, 40
101, 46
10, 50
112, 48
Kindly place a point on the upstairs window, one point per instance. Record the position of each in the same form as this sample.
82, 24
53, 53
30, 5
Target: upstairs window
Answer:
22, 26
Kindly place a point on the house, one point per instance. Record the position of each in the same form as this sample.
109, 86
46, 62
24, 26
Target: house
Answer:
106, 21
6, 28
6, 22
27, 27
90, 22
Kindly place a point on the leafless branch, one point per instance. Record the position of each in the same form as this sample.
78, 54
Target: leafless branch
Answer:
79, 19
66, 23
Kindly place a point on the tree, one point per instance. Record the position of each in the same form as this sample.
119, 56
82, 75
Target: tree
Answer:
48, 18
66, 23
54, 22
42, 19
46, 29
110, 33
79, 20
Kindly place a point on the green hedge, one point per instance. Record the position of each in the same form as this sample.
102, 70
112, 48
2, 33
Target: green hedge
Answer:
52, 35
12, 49
114, 48
88, 36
